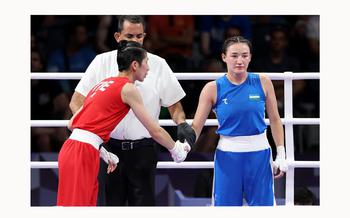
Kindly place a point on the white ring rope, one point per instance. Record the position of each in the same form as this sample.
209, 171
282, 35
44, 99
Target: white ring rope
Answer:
288, 121
168, 122
183, 165
181, 76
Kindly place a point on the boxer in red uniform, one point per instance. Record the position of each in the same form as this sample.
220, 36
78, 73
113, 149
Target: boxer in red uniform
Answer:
104, 107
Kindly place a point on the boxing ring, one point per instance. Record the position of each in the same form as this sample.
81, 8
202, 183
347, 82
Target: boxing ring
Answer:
288, 121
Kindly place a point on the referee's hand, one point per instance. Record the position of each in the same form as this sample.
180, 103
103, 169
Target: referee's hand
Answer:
186, 132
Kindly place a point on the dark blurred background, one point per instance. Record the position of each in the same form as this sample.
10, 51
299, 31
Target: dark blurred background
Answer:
68, 43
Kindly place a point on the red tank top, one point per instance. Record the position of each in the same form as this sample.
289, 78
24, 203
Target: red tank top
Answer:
103, 108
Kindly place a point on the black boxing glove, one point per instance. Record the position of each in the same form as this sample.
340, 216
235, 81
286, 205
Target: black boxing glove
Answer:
186, 132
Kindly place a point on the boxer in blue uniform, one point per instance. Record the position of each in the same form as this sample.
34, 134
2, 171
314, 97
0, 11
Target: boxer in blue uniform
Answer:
243, 166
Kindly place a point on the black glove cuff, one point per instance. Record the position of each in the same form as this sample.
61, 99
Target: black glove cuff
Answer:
186, 132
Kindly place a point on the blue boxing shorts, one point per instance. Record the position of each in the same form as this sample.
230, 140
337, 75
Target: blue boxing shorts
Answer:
243, 169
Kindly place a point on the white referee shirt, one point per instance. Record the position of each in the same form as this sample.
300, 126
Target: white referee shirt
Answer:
160, 88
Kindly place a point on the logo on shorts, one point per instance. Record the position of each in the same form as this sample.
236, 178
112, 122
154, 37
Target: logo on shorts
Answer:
225, 100
254, 97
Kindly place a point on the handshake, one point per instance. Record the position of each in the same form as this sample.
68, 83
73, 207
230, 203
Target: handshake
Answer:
180, 150
187, 138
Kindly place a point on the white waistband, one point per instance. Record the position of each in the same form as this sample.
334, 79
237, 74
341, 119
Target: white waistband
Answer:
87, 137
243, 143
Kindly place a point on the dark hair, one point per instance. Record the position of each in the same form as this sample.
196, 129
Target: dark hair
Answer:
129, 51
135, 19
236, 39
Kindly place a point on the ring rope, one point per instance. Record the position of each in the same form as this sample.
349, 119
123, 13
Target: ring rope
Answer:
183, 165
181, 76
169, 122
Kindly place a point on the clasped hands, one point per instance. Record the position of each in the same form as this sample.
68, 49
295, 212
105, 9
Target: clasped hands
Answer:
180, 150
186, 139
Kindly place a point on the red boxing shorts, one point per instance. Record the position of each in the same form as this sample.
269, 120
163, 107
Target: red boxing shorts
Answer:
78, 166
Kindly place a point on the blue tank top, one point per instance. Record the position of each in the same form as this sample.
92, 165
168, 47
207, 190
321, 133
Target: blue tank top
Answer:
240, 109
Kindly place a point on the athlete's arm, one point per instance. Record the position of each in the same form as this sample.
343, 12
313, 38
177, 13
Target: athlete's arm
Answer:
272, 111
206, 101
72, 118
76, 102
280, 163
131, 96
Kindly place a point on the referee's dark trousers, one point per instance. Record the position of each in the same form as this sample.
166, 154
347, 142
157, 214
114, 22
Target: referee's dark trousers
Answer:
132, 183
